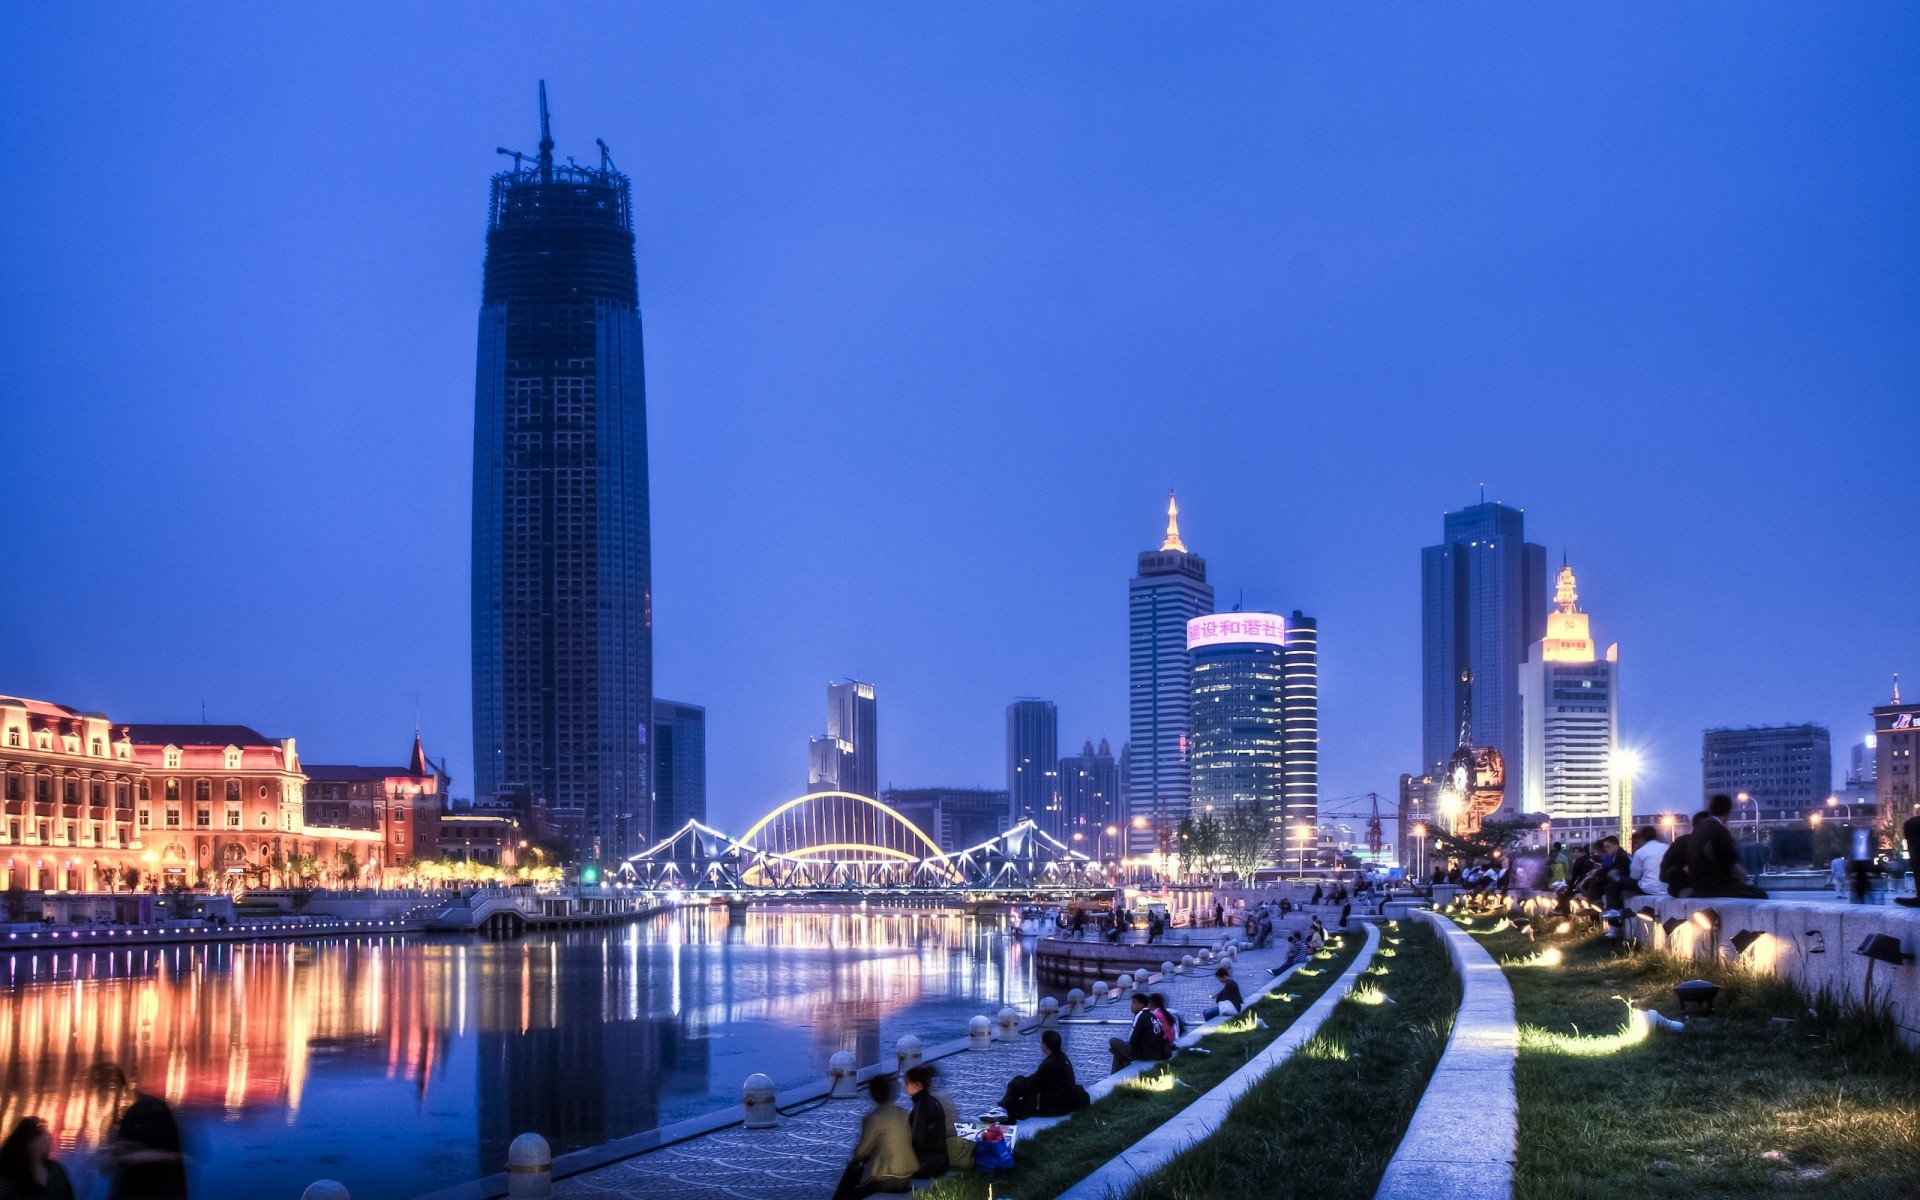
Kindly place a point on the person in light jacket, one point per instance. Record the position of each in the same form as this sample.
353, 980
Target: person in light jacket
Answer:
883, 1160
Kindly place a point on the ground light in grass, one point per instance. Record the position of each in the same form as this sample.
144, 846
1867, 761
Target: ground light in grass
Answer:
1636, 1030
1367, 994
1552, 956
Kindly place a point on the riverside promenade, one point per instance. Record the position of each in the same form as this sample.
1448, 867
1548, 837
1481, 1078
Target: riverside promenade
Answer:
718, 1158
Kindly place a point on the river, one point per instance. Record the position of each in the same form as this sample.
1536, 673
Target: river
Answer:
405, 1063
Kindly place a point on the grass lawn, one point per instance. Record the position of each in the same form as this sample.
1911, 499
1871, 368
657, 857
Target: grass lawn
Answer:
1052, 1161
1328, 1120
1734, 1106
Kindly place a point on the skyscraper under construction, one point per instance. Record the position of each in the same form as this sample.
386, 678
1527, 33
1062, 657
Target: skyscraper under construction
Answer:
562, 588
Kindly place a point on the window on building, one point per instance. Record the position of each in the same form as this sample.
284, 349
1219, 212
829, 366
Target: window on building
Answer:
71, 790
96, 833
173, 791
203, 790
146, 818
43, 790
96, 747
173, 818
45, 836
263, 820
399, 838
233, 791
13, 787
400, 814
202, 818
99, 793
13, 737
122, 795
233, 818
173, 760
263, 791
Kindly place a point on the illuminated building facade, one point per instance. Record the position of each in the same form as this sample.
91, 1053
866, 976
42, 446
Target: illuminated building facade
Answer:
1169, 589
400, 804
1256, 718
1896, 735
1033, 764
847, 759
1776, 773
562, 603
1482, 604
1570, 715
1090, 800
679, 764
75, 797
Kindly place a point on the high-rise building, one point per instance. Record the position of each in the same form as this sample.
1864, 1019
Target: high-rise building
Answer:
1169, 590
1256, 719
1303, 720
1896, 735
562, 593
1482, 603
847, 758
1775, 772
955, 818
1033, 763
1090, 801
1569, 715
679, 764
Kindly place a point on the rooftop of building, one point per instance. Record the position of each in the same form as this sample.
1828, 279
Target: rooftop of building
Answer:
198, 735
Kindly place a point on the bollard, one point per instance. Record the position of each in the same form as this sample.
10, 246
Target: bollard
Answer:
979, 1033
906, 1053
756, 1096
1099, 990
1008, 1027
325, 1189
1076, 1001
529, 1168
1166, 970
1125, 984
1140, 977
842, 1076
1049, 1013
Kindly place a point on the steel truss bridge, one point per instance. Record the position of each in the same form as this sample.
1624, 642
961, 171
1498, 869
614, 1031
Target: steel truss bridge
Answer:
842, 843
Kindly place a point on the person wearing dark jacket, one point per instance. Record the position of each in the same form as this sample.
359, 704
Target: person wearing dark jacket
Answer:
930, 1121
27, 1168
1229, 993
1673, 864
1143, 1042
1713, 858
1051, 1091
1911, 832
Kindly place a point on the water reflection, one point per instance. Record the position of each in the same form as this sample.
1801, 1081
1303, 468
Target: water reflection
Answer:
402, 1064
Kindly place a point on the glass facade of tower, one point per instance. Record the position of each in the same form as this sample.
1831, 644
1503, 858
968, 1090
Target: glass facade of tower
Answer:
1239, 726
1033, 764
679, 765
1302, 785
562, 604
1483, 602
1169, 590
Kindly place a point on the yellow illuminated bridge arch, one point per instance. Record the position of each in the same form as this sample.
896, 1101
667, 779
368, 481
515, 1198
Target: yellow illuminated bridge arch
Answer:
842, 826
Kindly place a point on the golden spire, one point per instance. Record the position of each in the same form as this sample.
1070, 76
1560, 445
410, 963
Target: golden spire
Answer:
1173, 541
1565, 598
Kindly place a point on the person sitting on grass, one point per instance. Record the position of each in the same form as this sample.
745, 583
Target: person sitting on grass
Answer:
1051, 1091
883, 1160
1143, 1042
1229, 993
1713, 858
931, 1121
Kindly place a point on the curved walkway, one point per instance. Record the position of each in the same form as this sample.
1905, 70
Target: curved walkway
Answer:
1461, 1142
1199, 1120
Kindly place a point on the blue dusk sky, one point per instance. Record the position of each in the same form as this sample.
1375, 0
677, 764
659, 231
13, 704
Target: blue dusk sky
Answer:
939, 301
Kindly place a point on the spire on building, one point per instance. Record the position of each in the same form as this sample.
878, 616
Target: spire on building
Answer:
1565, 597
1896, 687
1173, 541
418, 763
546, 138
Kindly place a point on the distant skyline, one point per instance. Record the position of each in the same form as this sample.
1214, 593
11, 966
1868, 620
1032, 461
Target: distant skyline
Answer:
939, 304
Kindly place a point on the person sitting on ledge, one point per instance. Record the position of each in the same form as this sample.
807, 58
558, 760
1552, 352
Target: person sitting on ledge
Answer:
1911, 832
883, 1160
1713, 860
1143, 1042
1229, 993
931, 1122
1051, 1091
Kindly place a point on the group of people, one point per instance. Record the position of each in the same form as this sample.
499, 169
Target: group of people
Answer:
142, 1158
1704, 862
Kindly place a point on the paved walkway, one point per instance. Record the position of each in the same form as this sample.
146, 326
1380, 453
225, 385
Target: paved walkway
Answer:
803, 1157
1462, 1139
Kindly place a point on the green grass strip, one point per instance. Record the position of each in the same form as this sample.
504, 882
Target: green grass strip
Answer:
1828, 1105
1055, 1159
1326, 1122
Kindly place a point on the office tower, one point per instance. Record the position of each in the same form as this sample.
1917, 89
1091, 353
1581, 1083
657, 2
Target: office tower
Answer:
1774, 772
955, 818
1303, 720
1238, 747
1896, 735
1569, 716
679, 765
1033, 763
562, 604
1169, 590
847, 758
1482, 603
1090, 801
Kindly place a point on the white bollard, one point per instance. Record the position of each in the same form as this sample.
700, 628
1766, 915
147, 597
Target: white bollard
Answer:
843, 1076
1076, 1001
1140, 977
1186, 963
756, 1096
1166, 970
1049, 1013
325, 1189
529, 1168
1099, 990
979, 1033
1008, 1027
1125, 984
906, 1053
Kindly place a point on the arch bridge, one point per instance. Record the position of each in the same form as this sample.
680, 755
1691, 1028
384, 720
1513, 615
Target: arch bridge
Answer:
843, 843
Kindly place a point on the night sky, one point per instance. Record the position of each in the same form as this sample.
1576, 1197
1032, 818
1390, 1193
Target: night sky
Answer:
939, 302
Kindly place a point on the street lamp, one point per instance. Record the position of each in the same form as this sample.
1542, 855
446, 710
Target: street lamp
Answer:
1450, 803
1625, 765
1420, 852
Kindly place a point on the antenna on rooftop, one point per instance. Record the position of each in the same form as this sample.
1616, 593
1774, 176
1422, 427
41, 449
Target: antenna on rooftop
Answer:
546, 138
606, 155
